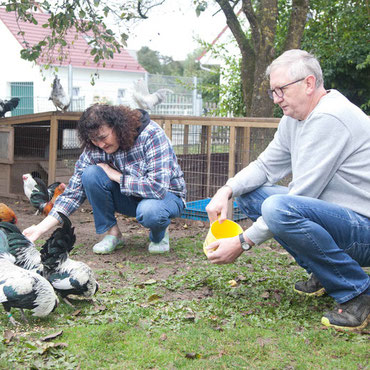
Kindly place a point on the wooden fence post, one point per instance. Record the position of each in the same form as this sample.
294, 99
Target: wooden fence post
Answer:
53, 148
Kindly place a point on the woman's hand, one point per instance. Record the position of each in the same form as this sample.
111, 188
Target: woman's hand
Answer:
35, 231
113, 174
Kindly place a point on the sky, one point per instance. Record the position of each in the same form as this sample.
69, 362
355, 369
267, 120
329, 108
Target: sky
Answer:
171, 29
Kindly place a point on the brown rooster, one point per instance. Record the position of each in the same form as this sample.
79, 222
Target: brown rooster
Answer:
7, 214
50, 204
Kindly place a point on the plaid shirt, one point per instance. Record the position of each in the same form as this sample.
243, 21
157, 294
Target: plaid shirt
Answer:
149, 169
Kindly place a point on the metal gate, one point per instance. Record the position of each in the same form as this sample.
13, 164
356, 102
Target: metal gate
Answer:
23, 91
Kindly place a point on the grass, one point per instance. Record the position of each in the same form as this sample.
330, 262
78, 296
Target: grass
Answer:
191, 319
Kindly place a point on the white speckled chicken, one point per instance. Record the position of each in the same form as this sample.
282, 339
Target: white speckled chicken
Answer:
68, 277
144, 99
23, 289
59, 98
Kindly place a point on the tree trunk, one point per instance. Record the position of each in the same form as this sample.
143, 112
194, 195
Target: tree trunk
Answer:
257, 52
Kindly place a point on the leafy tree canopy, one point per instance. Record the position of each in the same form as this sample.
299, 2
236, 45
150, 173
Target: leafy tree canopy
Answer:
86, 17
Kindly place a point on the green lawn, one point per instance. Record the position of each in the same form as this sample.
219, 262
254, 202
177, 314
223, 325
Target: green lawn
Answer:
188, 316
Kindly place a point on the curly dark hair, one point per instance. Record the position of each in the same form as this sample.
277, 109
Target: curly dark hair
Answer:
124, 121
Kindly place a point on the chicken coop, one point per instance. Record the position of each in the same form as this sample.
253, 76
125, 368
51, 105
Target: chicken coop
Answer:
209, 151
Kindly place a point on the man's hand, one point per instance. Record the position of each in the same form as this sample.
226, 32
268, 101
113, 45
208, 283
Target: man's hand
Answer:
227, 250
218, 206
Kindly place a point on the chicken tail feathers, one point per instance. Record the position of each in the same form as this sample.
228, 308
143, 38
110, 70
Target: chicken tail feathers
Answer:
55, 250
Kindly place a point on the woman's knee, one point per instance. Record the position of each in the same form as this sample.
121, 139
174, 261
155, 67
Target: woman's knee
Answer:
150, 216
90, 175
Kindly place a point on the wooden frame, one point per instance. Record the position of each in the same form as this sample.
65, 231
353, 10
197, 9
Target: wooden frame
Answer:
244, 123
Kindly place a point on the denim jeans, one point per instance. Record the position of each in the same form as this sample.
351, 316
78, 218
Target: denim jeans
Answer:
106, 198
330, 241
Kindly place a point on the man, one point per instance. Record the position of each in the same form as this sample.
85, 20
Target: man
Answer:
323, 217
128, 166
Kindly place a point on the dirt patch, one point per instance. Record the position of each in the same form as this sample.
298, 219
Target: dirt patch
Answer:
159, 267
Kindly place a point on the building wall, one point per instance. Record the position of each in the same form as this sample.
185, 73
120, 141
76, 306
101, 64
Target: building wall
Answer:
15, 69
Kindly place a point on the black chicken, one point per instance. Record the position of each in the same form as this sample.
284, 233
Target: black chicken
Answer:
68, 277
8, 105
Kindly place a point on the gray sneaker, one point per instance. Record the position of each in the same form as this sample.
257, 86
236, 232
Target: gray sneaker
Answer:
162, 247
351, 315
108, 245
310, 287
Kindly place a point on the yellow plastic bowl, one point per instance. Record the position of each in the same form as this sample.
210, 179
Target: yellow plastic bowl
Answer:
227, 229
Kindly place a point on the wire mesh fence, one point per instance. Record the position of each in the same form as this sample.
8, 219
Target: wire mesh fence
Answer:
182, 97
208, 154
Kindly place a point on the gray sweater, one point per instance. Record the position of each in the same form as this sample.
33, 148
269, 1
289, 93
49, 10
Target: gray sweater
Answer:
328, 155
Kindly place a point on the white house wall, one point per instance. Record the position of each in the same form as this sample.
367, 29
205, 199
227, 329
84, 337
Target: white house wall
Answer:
14, 69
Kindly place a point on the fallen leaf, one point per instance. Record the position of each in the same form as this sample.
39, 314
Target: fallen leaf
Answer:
265, 295
100, 307
193, 355
8, 336
154, 297
150, 282
232, 283
52, 336
76, 313
163, 337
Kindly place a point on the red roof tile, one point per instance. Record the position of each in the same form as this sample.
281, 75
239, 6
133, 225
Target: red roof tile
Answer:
78, 49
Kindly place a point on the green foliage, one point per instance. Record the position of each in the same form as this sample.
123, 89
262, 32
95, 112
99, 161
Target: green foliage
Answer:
150, 60
338, 34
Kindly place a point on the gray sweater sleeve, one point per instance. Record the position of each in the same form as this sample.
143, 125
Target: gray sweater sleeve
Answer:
312, 150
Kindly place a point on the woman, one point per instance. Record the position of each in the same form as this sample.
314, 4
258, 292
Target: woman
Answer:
128, 166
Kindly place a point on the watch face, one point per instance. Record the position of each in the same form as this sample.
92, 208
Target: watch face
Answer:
246, 246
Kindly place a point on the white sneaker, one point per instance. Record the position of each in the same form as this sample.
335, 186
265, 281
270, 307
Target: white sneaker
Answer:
163, 246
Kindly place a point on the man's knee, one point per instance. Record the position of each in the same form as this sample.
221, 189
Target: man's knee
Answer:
273, 210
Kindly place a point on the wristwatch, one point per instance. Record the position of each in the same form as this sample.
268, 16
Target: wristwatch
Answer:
244, 244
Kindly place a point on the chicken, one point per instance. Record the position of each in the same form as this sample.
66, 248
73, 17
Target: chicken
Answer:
59, 98
25, 253
23, 289
7, 214
144, 99
42, 197
29, 185
8, 105
67, 276
59, 189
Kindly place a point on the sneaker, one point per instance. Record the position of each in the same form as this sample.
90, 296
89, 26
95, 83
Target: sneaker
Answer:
310, 287
351, 315
108, 245
162, 247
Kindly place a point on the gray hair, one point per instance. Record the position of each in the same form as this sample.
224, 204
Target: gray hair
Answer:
299, 64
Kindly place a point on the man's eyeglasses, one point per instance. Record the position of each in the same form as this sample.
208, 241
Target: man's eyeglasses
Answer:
279, 90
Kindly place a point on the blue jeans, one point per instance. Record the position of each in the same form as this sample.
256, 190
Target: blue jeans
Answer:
106, 198
330, 241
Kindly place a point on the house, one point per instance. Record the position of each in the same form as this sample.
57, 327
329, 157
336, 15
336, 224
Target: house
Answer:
32, 84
